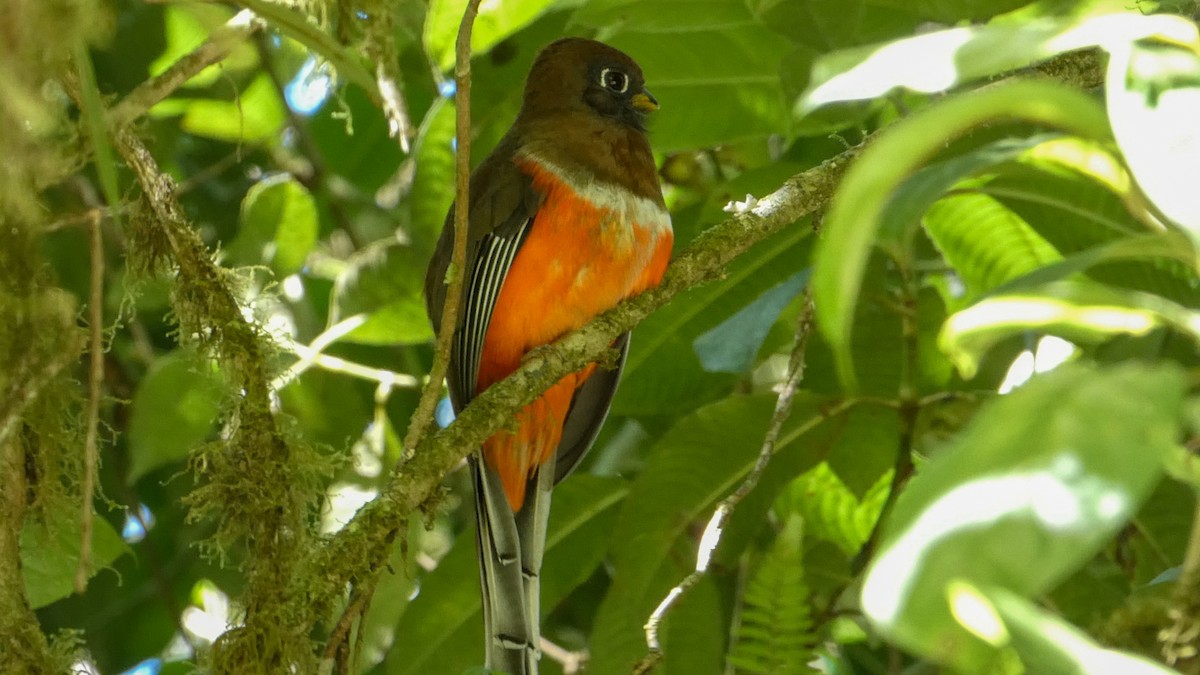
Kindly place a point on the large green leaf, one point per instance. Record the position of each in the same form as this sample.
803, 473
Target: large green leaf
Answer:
1047, 473
175, 408
50, 551
384, 282
442, 630
694, 53
986, 243
854, 213
697, 463
278, 225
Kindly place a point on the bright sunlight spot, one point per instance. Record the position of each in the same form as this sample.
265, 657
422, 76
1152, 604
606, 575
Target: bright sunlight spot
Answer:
1046, 495
309, 89
345, 500
877, 73
209, 617
975, 613
135, 527
1050, 353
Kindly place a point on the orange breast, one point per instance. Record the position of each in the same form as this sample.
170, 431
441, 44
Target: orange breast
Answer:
586, 251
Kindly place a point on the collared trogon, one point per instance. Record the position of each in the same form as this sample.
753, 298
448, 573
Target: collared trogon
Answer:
566, 219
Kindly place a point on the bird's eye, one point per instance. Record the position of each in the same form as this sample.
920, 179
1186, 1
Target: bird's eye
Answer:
614, 80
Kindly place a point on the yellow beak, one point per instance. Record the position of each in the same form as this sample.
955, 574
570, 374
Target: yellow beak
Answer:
644, 102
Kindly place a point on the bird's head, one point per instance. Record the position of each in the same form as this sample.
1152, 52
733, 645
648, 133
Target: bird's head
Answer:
579, 75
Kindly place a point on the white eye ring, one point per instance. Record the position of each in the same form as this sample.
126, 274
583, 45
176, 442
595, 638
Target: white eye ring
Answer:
619, 85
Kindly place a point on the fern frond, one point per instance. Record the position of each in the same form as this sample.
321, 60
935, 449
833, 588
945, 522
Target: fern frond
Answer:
775, 634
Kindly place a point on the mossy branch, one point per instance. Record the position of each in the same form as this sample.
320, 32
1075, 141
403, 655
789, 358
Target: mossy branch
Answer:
260, 484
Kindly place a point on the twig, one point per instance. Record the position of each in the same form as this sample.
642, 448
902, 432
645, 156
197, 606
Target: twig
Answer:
311, 357
712, 532
423, 416
571, 662
95, 378
356, 609
219, 45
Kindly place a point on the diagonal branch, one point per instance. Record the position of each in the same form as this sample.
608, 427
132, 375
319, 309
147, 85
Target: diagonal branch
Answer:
220, 44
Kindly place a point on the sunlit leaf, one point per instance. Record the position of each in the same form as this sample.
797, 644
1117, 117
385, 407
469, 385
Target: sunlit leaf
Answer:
984, 242
1077, 311
384, 283
256, 115
496, 21
853, 216
1153, 99
1046, 473
938, 61
278, 225
1054, 645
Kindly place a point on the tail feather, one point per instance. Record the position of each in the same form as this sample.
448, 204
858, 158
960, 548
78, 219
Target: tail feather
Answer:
510, 548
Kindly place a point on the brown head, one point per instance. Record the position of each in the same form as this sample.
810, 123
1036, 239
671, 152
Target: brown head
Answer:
577, 75
584, 111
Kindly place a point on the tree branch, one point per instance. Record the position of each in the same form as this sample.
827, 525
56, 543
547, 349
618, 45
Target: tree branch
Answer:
220, 44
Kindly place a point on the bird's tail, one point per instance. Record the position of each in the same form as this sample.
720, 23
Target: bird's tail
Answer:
511, 547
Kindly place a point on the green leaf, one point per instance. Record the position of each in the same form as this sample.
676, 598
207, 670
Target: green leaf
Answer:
186, 27
732, 345
937, 61
50, 551
495, 21
384, 281
433, 178
986, 243
1153, 95
278, 225
854, 213
175, 408
695, 464
1047, 473
919, 192
831, 511
255, 116
1047, 643
730, 57
775, 632
1082, 312
442, 630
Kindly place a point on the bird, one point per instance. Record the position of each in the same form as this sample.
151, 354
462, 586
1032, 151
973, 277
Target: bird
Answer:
566, 219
